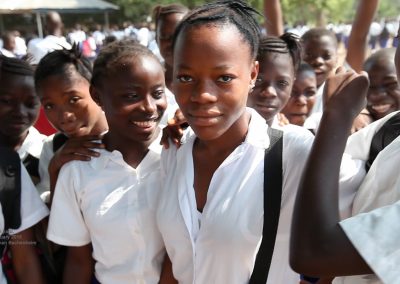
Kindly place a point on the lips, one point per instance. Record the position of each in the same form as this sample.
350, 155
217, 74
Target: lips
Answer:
381, 108
204, 118
146, 124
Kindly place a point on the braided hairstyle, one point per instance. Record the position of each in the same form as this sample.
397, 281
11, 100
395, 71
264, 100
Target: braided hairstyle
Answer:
287, 43
59, 62
160, 11
115, 55
222, 12
15, 66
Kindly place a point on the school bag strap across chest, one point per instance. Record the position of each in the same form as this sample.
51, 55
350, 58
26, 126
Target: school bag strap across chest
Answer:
272, 206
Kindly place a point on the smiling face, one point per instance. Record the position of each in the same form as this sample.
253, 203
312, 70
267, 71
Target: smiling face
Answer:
321, 53
383, 95
19, 106
133, 99
68, 105
165, 33
273, 86
213, 74
302, 98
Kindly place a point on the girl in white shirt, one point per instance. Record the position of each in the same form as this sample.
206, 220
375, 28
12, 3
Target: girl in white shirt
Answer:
103, 209
211, 212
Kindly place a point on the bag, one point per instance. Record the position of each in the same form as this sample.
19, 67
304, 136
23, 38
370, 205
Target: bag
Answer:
272, 206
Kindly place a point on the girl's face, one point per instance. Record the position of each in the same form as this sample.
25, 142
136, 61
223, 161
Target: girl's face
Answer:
383, 95
321, 54
68, 105
19, 105
213, 74
133, 99
302, 98
273, 86
165, 33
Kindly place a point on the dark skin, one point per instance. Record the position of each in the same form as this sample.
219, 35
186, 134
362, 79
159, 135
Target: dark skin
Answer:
318, 244
133, 100
25, 260
19, 108
164, 36
71, 110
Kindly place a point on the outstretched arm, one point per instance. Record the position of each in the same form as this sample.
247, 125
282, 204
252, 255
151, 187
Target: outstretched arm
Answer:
319, 246
273, 14
357, 49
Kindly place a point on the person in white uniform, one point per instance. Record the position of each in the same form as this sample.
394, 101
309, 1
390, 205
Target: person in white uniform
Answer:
365, 244
210, 211
108, 204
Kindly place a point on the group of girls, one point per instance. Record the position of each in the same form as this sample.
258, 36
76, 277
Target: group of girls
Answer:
122, 210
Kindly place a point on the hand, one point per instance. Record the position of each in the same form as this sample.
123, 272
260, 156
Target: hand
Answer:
362, 120
282, 119
174, 130
76, 148
346, 92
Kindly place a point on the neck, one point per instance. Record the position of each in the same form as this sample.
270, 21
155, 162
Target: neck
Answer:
229, 141
133, 152
101, 125
14, 143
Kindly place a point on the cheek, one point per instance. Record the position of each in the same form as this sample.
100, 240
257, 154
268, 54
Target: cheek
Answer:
310, 104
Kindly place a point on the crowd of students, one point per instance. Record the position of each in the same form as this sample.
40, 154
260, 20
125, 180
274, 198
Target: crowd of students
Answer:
121, 208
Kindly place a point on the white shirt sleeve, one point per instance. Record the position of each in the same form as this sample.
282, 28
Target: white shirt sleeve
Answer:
375, 235
67, 225
32, 207
47, 154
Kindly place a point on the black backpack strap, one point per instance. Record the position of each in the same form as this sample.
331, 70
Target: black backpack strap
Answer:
31, 164
272, 206
10, 188
59, 140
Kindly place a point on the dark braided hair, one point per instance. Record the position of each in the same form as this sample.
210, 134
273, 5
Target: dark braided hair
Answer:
59, 62
236, 12
161, 11
15, 66
115, 55
287, 43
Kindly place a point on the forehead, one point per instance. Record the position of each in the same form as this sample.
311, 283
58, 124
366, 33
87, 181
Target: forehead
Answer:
223, 40
273, 61
323, 42
10, 79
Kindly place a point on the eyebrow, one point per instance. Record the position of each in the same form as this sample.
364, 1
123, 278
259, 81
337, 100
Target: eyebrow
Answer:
219, 67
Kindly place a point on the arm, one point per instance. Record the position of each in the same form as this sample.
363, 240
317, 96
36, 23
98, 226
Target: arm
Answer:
357, 48
25, 259
79, 149
273, 14
79, 265
167, 276
318, 245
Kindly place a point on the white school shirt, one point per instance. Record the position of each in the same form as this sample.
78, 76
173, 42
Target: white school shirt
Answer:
32, 210
111, 205
374, 229
43, 187
32, 144
223, 250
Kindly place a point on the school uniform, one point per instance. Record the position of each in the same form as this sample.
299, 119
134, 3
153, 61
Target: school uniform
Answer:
172, 106
111, 205
220, 244
374, 229
32, 210
46, 155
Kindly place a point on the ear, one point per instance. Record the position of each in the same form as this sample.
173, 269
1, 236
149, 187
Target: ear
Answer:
95, 94
254, 73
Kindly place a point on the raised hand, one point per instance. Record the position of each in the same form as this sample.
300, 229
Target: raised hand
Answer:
174, 130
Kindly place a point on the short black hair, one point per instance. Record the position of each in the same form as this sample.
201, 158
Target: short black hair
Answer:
236, 12
387, 54
58, 62
115, 53
287, 43
305, 67
161, 11
317, 33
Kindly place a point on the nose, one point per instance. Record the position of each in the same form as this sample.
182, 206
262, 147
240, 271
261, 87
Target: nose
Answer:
376, 92
20, 110
149, 105
317, 61
66, 117
301, 100
269, 92
203, 93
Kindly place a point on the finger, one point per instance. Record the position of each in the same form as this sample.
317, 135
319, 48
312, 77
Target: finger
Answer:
93, 145
86, 152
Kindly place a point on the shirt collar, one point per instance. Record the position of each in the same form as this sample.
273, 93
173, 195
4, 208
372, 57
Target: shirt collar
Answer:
257, 133
32, 144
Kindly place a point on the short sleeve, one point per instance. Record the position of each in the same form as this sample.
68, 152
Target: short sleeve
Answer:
375, 235
47, 154
67, 226
32, 207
